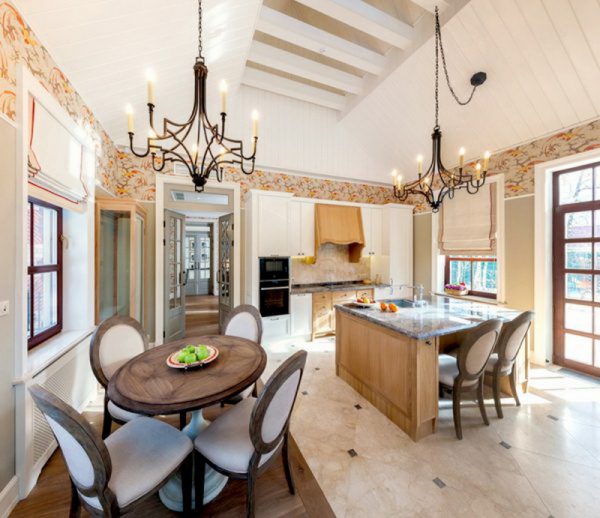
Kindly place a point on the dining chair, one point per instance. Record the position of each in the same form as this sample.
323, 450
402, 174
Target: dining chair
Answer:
115, 341
244, 441
465, 372
110, 478
502, 362
244, 322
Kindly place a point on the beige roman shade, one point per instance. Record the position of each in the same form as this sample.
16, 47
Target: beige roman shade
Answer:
468, 223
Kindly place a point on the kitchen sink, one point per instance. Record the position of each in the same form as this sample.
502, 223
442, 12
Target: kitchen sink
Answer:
408, 303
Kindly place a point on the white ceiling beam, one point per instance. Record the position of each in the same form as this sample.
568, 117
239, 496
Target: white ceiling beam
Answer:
304, 35
293, 64
290, 88
429, 5
365, 18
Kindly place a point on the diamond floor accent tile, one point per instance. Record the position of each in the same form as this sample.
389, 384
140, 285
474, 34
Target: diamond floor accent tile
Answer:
553, 417
505, 445
439, 482
304, 393
352, 452
357, 406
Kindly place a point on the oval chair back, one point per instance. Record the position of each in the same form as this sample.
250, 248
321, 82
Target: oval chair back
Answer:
244, 322
475, 350
115, 341
270, 418
85, 454
511, 339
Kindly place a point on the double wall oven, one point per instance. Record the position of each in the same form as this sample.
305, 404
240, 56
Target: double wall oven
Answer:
274, 286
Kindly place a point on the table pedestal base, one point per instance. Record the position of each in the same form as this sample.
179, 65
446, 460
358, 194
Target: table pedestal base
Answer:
214, 482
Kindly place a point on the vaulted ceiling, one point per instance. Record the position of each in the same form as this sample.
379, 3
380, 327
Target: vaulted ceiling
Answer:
359, 70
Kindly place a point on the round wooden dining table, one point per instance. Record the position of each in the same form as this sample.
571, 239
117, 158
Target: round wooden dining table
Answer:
147, 385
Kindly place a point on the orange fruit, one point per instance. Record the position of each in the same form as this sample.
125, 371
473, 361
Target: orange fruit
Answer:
383, 306
393, 307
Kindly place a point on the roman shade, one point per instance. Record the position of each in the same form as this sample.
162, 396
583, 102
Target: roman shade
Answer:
340, 225
468, 223
58, 163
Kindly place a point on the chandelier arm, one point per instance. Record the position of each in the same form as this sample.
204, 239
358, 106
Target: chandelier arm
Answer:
162, 166
132, 148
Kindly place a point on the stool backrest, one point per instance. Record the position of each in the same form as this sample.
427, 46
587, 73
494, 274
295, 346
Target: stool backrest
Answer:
115, 341
476, 348
271, 414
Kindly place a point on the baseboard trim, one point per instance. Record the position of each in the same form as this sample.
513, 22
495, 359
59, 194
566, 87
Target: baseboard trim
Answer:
9, 497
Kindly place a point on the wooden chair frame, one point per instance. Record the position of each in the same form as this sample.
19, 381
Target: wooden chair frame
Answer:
506, 366
95, 448
458, 388
279, 377
95, 344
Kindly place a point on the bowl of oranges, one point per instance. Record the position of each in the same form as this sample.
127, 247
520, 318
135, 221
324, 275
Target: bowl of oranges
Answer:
388, 307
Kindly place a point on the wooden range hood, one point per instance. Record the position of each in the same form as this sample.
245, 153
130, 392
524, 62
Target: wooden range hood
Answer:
340, 225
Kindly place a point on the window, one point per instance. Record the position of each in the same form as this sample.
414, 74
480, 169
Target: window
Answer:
478, 273
44, 271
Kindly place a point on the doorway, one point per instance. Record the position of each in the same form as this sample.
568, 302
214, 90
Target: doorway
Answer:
199, 264
576, 268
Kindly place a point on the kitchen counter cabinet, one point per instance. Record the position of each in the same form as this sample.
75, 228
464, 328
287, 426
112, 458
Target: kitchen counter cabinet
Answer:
324, 322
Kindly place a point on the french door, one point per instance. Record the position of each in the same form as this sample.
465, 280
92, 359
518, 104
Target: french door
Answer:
576, 265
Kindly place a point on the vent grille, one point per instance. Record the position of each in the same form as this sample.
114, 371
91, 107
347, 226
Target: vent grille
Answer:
72, 382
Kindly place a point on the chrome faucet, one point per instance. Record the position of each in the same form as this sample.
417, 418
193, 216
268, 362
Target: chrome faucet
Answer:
418, 291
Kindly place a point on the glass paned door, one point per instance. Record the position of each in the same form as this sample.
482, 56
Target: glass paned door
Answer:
174, 276
576, 242
225, 273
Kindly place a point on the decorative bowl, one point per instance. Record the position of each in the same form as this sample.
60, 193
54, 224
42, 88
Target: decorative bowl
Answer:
175, 364
460, 293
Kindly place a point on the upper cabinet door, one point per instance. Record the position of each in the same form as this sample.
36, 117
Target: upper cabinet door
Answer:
273, 225
373, 228
366, 221
302, 228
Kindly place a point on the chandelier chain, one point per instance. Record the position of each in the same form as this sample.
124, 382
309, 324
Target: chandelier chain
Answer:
200, 28
439, 43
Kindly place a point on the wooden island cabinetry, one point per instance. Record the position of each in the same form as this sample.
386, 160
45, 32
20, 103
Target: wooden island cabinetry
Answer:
324, 322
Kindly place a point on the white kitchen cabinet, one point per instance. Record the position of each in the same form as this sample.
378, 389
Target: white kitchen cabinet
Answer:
372, 219
301, 233
276, 328
273, 226
301, 312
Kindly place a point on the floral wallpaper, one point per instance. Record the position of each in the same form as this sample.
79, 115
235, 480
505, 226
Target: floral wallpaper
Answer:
18, 44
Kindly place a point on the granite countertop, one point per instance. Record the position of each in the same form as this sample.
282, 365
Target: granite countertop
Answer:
334, 286
441, 316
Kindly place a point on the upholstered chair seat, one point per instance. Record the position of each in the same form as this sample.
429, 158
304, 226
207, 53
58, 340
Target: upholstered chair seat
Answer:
244, 441
115, 341
143, 453
448, 367
111, 478
227, 443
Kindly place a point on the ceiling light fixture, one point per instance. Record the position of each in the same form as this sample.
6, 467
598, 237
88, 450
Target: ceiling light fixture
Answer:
437, 176
201, 146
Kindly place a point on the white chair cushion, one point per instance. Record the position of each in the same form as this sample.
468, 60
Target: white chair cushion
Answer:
226, 442
120, 413
491, 364
143, 453
448, 370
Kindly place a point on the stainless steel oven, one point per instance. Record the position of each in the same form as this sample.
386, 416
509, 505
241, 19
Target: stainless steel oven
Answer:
274, 286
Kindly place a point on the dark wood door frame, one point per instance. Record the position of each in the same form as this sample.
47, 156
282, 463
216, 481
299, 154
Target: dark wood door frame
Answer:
559, 270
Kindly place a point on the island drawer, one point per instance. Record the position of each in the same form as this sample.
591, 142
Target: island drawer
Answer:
322, 297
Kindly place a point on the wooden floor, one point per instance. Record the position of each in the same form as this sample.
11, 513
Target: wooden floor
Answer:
51, 495
201, 315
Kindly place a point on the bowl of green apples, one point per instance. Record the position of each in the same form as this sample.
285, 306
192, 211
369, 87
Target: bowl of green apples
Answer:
192, 356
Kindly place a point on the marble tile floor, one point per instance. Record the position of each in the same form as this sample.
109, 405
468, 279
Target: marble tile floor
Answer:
542, 459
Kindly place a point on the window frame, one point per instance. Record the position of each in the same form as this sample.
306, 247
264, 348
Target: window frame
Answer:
472, 260
36, 339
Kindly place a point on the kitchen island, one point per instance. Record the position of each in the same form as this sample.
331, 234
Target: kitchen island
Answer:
391, 359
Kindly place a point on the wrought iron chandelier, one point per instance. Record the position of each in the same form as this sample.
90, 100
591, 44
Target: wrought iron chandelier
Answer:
210, 149
437, 176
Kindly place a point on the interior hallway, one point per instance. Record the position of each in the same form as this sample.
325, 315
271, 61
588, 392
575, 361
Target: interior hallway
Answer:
201, 315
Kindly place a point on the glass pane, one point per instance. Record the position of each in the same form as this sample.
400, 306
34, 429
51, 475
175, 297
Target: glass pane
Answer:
578, 348
575, 187
597, 256
578, 286
578, 317
28, 307
45, 301
597, 321
597, 288
578, 256
597, 223
597, 183
578, 224
484, 276
45, 235
460, 271
28, 234
114, 260
596, 353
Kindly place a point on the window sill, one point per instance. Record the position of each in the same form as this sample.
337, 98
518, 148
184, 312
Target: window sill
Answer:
52, 349
473, 298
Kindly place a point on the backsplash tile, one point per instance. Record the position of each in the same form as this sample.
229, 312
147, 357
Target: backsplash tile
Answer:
332, 265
